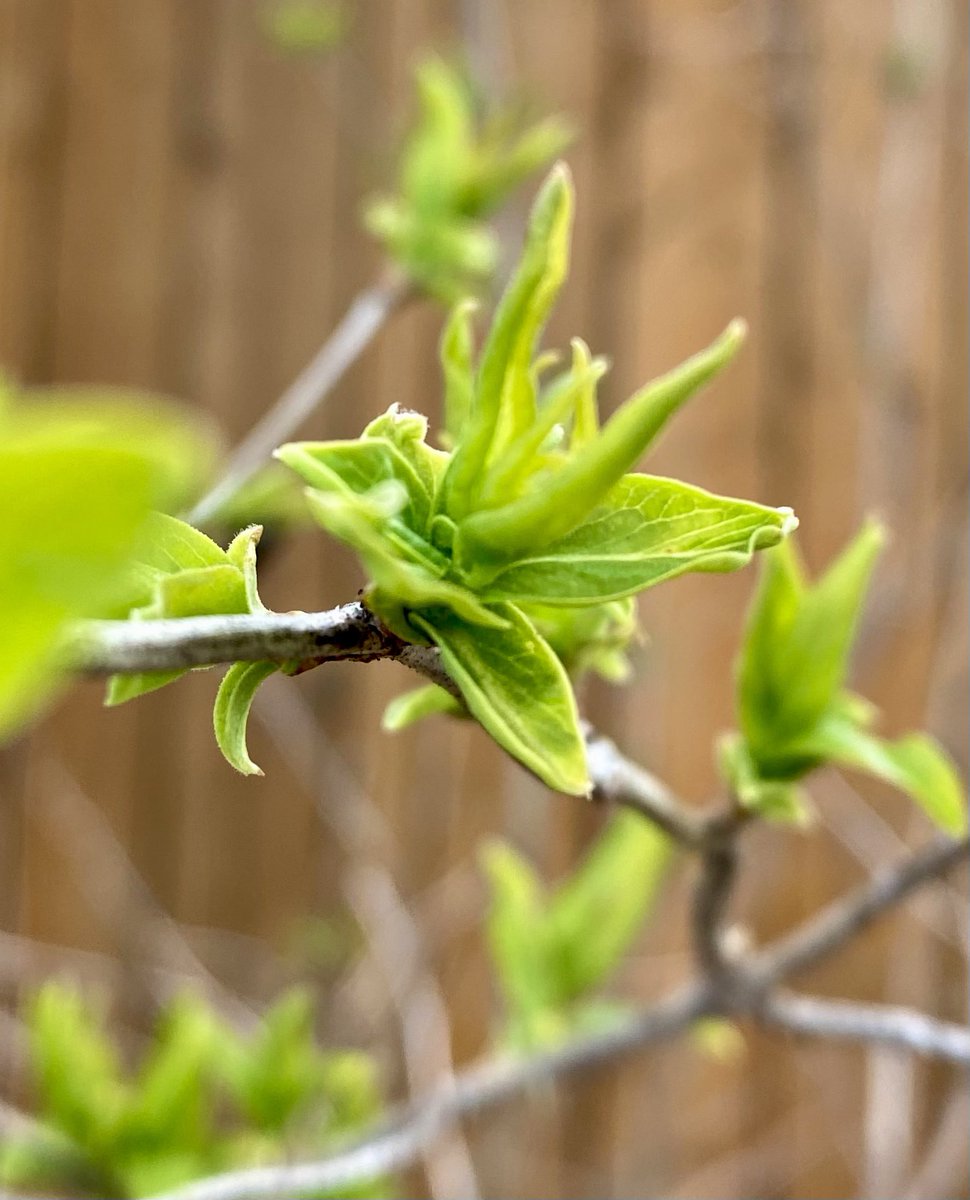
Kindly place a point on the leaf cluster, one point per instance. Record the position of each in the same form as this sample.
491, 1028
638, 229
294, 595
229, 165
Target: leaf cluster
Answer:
459, 164
794, 710
202, 1099
553, 950
527, 534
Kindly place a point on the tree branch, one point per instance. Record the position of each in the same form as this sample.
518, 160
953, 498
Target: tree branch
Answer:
843, 1020
850, 914
725, 989
361, 322
400, 1140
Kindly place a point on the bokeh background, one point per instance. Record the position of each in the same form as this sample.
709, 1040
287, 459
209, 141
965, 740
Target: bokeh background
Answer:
179, 211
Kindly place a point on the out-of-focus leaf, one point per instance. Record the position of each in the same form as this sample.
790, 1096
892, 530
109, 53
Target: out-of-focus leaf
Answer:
517, 938
78, 480
915, 764
426, 701
596, 914
775, 800
306, 26
77, 1070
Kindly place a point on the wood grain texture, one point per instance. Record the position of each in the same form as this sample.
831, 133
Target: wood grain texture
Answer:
179, 209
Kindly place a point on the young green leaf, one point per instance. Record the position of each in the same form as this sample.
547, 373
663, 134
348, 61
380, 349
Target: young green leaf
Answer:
648, 530
503, 405
426, 701
410, 583
515, 686
814, 657
915, 764
517, 937
761, 685
231, 712
596, 914
550, 511
457, 367
352, 468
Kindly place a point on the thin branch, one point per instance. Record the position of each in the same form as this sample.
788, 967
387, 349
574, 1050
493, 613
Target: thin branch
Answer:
842, 1020
401, 1140
361, 322
126, 647
847, 916
623, 782
719, 866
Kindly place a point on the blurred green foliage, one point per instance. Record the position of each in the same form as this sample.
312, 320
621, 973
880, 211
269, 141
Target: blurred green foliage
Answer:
306, 26
81, 470
202, 1099
458, 166
794, 711
554, 949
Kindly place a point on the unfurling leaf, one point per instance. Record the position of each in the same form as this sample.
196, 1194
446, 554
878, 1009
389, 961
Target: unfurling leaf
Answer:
231, 712
793, 709
531, 525
915, 764
181, 572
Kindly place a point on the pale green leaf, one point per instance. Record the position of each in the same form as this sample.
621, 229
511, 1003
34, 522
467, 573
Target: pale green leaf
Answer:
504, 399
597, 913
517, 934
411, 584
172, 545
558, 503
515, 686
413, 706
648, 530
915, 764
407, 431
231, 712
357, 468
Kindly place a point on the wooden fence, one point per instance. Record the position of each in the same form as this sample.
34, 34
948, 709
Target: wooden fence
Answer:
179, 209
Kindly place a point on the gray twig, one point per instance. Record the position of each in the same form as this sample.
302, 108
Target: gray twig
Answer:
725, 989
845, 1020
361, 322
400, 1140
846, 917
